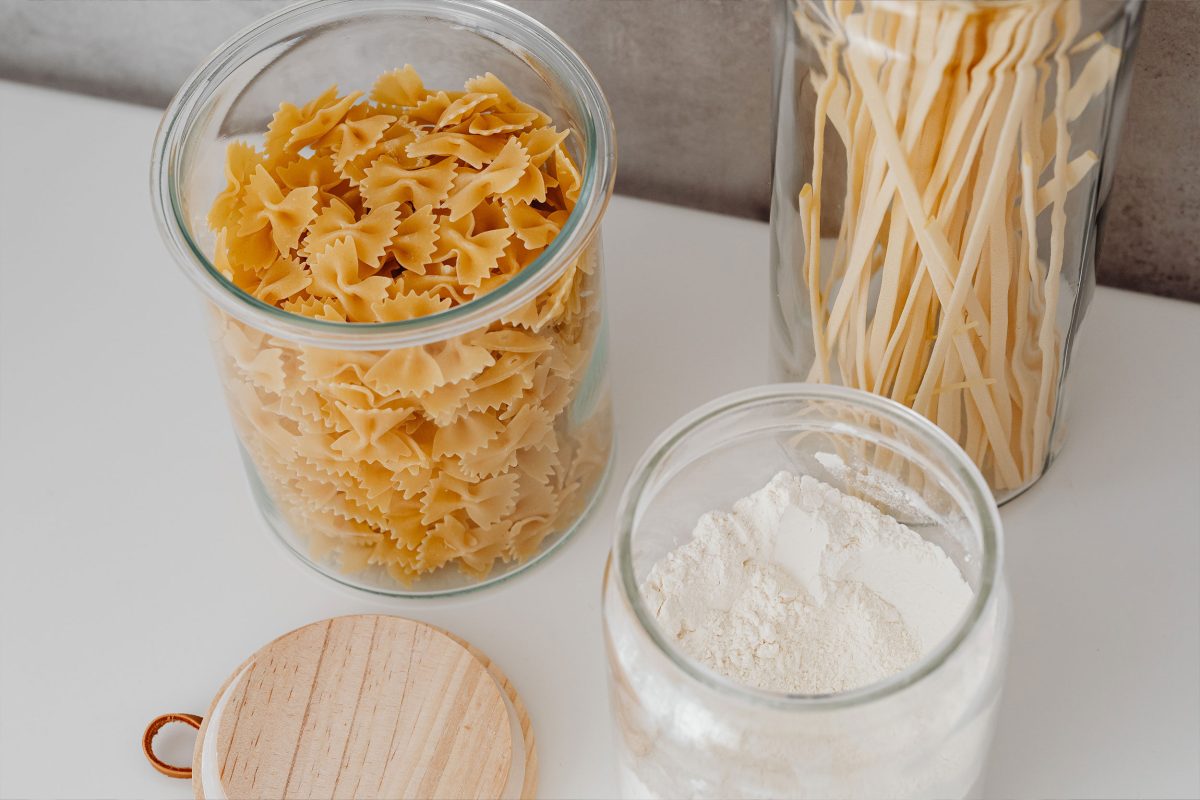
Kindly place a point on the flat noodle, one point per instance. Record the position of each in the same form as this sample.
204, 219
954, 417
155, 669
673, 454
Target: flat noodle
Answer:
951, 125
455, 453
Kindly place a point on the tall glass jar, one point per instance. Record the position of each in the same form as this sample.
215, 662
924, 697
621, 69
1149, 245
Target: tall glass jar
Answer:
427, 455
685, 731
941, 174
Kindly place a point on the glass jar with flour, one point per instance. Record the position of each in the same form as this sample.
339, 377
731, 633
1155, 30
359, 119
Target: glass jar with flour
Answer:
805, 598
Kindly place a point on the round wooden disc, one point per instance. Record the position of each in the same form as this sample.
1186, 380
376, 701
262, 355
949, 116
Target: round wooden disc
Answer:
363, 706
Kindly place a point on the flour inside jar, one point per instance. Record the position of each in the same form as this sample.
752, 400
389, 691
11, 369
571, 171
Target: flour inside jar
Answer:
803, 589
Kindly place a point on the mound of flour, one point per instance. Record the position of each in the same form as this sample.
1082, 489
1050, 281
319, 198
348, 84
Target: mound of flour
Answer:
807, 590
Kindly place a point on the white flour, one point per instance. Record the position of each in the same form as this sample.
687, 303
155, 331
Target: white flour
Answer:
806, 590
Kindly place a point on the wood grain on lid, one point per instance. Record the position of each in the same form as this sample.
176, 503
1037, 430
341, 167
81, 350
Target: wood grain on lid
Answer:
528, 787
362, 707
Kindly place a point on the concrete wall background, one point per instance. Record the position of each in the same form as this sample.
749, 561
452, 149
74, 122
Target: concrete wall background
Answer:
690, 85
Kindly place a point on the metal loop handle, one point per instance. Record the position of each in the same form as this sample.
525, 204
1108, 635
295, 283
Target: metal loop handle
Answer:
170, 770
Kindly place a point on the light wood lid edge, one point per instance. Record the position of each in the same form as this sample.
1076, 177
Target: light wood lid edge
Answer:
529, 786
504, 685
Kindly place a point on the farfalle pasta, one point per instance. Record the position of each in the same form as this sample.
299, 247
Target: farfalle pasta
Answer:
395, 206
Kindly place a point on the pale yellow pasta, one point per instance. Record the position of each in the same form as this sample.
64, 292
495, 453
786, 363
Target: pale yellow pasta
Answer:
335, 275
399, 88
502, 174
476, 255
283, 280
415, 240
265, 206
240, 163
465, 107
321, 122
534, 229
371, 234
408, 305
471, 149
386, 181
353, 137
455, 453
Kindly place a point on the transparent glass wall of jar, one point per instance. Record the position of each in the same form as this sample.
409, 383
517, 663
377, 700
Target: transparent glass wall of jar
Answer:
941, 174
683, 731
370, 490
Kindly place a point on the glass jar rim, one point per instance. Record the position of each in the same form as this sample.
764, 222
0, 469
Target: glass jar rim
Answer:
1119, 9
488, 16
980, 500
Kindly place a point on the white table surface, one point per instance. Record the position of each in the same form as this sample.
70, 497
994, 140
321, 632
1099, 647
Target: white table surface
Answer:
135, 572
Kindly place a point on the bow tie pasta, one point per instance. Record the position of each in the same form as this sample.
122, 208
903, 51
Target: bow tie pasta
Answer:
391, 207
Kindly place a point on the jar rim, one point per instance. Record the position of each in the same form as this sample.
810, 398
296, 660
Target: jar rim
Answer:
1117, 10
979, 499
482, 16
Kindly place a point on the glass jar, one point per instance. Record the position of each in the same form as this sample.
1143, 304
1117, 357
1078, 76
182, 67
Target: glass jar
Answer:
941, 174
685, 731
356, 436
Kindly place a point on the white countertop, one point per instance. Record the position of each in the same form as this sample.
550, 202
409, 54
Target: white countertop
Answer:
136, 573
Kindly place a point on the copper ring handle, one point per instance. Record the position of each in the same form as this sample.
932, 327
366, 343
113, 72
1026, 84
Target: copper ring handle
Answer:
170, 770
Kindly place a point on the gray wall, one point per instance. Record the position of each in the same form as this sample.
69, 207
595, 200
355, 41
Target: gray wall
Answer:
689, 81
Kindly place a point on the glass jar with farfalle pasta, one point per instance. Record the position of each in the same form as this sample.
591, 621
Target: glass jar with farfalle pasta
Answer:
393, 209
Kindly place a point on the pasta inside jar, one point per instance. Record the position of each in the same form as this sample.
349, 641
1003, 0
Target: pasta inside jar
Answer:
405, 203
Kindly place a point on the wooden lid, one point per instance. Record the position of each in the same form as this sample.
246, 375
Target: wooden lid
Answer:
366, 706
